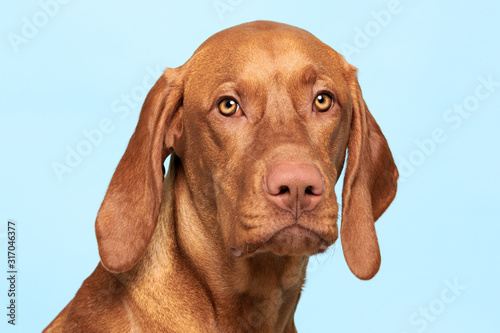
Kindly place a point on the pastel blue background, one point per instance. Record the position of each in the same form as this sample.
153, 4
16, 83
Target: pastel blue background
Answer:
429, 56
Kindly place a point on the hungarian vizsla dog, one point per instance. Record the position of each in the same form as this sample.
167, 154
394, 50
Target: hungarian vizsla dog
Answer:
257, 124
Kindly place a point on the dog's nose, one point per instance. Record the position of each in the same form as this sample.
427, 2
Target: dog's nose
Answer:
294, 186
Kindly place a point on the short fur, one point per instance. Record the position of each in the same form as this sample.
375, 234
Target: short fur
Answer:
204, 249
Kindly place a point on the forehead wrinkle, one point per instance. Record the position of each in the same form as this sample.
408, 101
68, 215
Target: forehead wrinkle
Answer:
251, 52
271, 68
308, 75
272, 53
260, 61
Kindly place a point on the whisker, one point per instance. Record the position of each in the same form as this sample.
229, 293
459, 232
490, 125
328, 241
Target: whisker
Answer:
251, 157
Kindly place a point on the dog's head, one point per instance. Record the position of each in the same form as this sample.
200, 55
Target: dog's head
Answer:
260, 118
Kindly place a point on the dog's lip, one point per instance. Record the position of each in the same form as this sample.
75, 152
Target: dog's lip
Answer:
297, 230
294, 229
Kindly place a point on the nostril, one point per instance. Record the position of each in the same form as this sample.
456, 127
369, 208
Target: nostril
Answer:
309, 190
284, 189
316, 190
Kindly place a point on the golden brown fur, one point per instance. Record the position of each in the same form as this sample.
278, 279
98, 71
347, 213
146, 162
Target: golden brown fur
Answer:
207, 249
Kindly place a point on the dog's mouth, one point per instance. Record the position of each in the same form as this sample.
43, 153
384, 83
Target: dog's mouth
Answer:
294, 239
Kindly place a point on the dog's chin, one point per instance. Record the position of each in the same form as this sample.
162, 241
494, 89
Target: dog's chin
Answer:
294, 240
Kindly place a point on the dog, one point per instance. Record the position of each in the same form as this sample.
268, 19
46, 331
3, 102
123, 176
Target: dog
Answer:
257, 124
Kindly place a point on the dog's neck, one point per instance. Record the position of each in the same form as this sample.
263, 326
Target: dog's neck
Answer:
256, 294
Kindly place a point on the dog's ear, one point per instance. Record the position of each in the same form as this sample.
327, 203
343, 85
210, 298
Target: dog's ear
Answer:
128, 214
369, 187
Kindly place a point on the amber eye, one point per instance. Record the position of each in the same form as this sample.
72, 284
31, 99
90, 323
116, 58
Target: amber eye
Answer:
323, 102
228, 107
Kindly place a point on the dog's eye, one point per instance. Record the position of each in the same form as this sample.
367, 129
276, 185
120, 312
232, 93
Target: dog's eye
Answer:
323, 102
228, 107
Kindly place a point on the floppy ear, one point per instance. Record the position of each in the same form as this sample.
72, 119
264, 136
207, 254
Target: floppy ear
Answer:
369, 187
128, 214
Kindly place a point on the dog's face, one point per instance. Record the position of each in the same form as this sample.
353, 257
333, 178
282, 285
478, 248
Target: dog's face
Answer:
265, 102
260, 118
